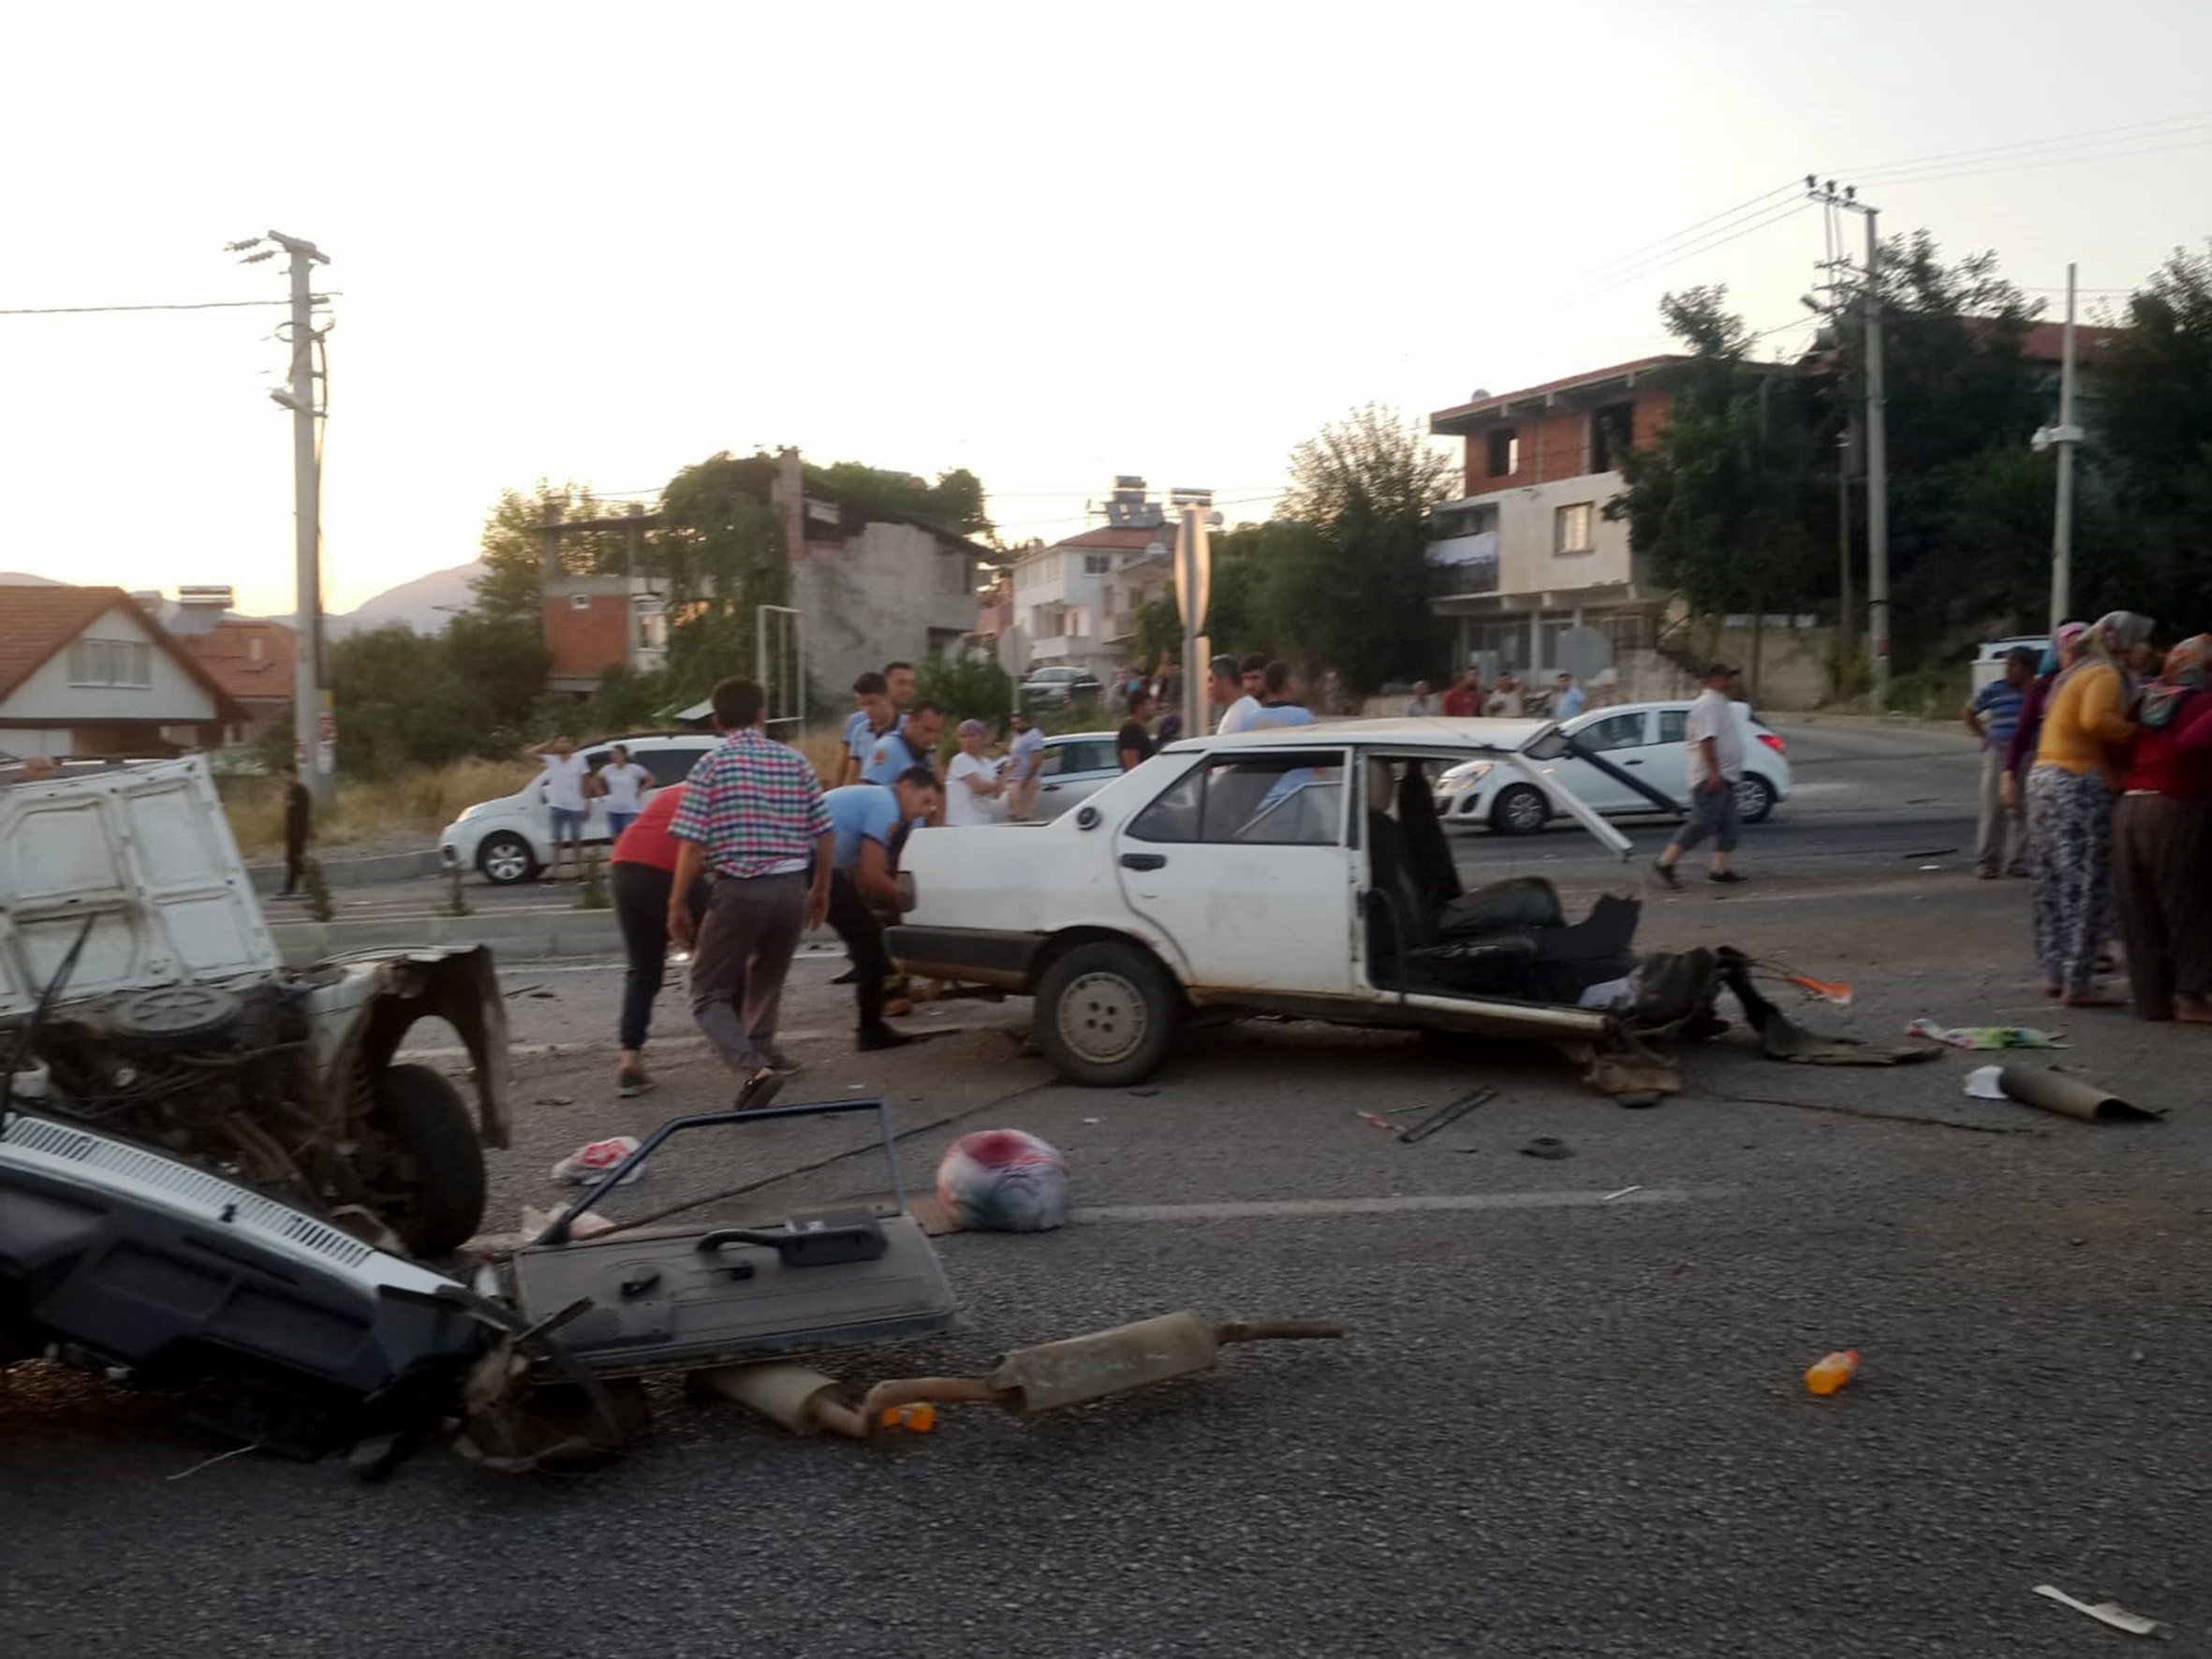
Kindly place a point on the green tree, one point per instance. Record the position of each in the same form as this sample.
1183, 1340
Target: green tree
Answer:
512, 548
1348, 585
720, 552
955, 502
2150, 445
968, 689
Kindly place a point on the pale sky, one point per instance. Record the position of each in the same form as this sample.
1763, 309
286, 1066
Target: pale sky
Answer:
1046, 242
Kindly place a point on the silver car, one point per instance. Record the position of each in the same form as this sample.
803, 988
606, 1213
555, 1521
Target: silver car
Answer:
1077, 765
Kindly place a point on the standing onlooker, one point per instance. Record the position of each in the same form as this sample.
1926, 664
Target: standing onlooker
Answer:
1715, 739
1278, 699
872, 716
1567, 698
2070, 796
1422, 703
1464, 701
752, 815
561, 784
644, 863
299, 824
1169, 706
1133, 744
1024, 764
2161, 843
41, 769
625, 784
1994, 717
1505, 701
898, 681
1232, 695
971, 780
865, 820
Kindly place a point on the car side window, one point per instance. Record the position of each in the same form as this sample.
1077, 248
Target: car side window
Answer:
1266, 800
1615, 731
1055, 762
1673, 726
595, 758
669, 765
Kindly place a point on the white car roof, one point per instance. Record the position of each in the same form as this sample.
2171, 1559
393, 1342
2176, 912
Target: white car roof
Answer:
1434, 731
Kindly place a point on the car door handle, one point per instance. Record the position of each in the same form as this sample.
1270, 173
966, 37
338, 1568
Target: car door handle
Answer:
1143, 860
1631, 762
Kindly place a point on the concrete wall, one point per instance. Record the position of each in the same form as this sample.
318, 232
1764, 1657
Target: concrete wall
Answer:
173, 698
1525, 519
879, 597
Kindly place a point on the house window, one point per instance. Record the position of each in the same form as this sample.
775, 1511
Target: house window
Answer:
1572, 528
1613, 434
111, 662
1505, 452
1096, 564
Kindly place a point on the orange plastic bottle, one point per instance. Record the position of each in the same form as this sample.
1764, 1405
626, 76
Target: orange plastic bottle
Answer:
919, 1419
1832, 1371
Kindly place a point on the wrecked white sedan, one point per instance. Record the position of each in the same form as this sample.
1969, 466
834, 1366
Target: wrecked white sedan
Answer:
1297, 872
142, 994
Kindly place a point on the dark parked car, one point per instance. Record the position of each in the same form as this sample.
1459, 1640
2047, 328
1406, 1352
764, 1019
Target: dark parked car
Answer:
1060, 688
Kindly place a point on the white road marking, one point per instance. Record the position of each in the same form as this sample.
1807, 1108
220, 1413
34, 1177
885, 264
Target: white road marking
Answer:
1294, 1209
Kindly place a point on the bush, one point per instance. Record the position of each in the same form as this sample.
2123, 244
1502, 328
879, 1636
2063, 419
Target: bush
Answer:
968, 688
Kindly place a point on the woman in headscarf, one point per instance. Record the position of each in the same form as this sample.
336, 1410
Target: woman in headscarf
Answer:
2069, 797
2161, 843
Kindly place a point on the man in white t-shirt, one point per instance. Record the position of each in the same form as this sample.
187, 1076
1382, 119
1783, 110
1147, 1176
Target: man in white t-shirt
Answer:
1024, 765
1235, 698
971, 780
625, 784
1715, 739
561, 787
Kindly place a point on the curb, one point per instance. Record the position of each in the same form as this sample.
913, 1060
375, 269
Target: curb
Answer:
518, 936
368, 871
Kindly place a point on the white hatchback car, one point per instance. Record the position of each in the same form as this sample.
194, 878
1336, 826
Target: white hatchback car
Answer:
1077, 765
1293, 870
1636, 744
510, 839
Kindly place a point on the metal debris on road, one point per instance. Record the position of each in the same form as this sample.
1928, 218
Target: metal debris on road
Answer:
1447, 1114
2070, 1096
2104, 1612
1622, 1194
1547, 1146
1375, 1120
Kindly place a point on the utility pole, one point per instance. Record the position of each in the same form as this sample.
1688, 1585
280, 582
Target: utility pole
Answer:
1878, 460
2066, 435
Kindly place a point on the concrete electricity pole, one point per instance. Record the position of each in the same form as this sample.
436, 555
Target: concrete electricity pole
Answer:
1878, 455
2066, 435
314, 727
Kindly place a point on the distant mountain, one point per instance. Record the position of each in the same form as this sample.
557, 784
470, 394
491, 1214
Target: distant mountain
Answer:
425, 605
23, 579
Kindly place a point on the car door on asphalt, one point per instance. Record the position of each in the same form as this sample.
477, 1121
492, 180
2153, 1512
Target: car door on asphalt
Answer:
1243, 865
1622, 739
1073, 771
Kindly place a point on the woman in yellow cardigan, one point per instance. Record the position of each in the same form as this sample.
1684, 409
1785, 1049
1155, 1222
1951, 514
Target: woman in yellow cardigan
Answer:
2088, 725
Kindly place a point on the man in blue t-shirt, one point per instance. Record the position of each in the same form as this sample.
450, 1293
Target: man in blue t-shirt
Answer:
872, 716
1999, 840
864, 820
913, 744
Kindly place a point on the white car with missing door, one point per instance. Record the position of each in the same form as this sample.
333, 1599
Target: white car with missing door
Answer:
510, 839
1638, 743
1293, 870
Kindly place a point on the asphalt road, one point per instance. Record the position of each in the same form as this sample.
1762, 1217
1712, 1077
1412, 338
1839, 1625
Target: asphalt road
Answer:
1568, 1419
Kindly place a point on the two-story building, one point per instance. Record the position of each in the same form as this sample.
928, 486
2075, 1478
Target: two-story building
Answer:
1531, 553
1075, 603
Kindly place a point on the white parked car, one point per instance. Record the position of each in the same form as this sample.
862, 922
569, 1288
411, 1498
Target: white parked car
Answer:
510, 839
1292, 871
1635, 743
1077, 765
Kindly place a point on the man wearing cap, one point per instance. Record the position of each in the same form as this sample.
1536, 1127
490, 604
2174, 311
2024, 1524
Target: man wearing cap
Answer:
971, 780
1715, 739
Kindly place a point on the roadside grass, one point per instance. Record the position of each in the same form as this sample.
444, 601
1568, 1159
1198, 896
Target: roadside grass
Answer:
413, 806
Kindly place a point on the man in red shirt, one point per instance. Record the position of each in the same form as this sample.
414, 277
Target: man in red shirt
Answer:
1464, 701
644, 871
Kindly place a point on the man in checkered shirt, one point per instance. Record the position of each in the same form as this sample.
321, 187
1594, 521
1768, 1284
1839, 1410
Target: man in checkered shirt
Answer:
753, 818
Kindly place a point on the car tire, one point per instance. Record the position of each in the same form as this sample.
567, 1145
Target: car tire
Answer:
1755, 798
1520, 809
1106, 1013
435, 1200
506, 858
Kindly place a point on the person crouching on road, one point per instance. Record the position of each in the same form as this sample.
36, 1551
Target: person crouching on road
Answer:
1716, 740
865, 819
752, 815
644, 872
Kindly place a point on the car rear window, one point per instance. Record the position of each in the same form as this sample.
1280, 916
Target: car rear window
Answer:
672, 765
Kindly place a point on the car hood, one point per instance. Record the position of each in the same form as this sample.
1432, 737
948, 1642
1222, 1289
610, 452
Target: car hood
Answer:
144, 855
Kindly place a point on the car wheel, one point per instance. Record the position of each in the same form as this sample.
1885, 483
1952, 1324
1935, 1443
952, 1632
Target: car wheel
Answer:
1755, 798
1106, 1013
1521, 810
430, 1188
506, 858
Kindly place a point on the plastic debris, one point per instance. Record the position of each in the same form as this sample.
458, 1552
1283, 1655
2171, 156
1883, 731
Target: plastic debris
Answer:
1623, 1193
1547, 1146
593, 1162
2104, 1612
1003, 1180
1375, 1120
1981, 1083
1831, 1371
1826, 990
1984, 1037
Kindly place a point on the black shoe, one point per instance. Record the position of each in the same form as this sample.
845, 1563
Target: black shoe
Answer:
1666, 873
873, 1037
850, 977
1726, 877
760, 1089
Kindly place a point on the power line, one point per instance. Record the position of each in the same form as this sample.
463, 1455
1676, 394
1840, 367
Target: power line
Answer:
1757, 202
2036, 161
2136, 128
93, 310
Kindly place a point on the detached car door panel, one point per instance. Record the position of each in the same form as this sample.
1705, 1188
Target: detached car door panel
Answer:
1623, 740
1243, 865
